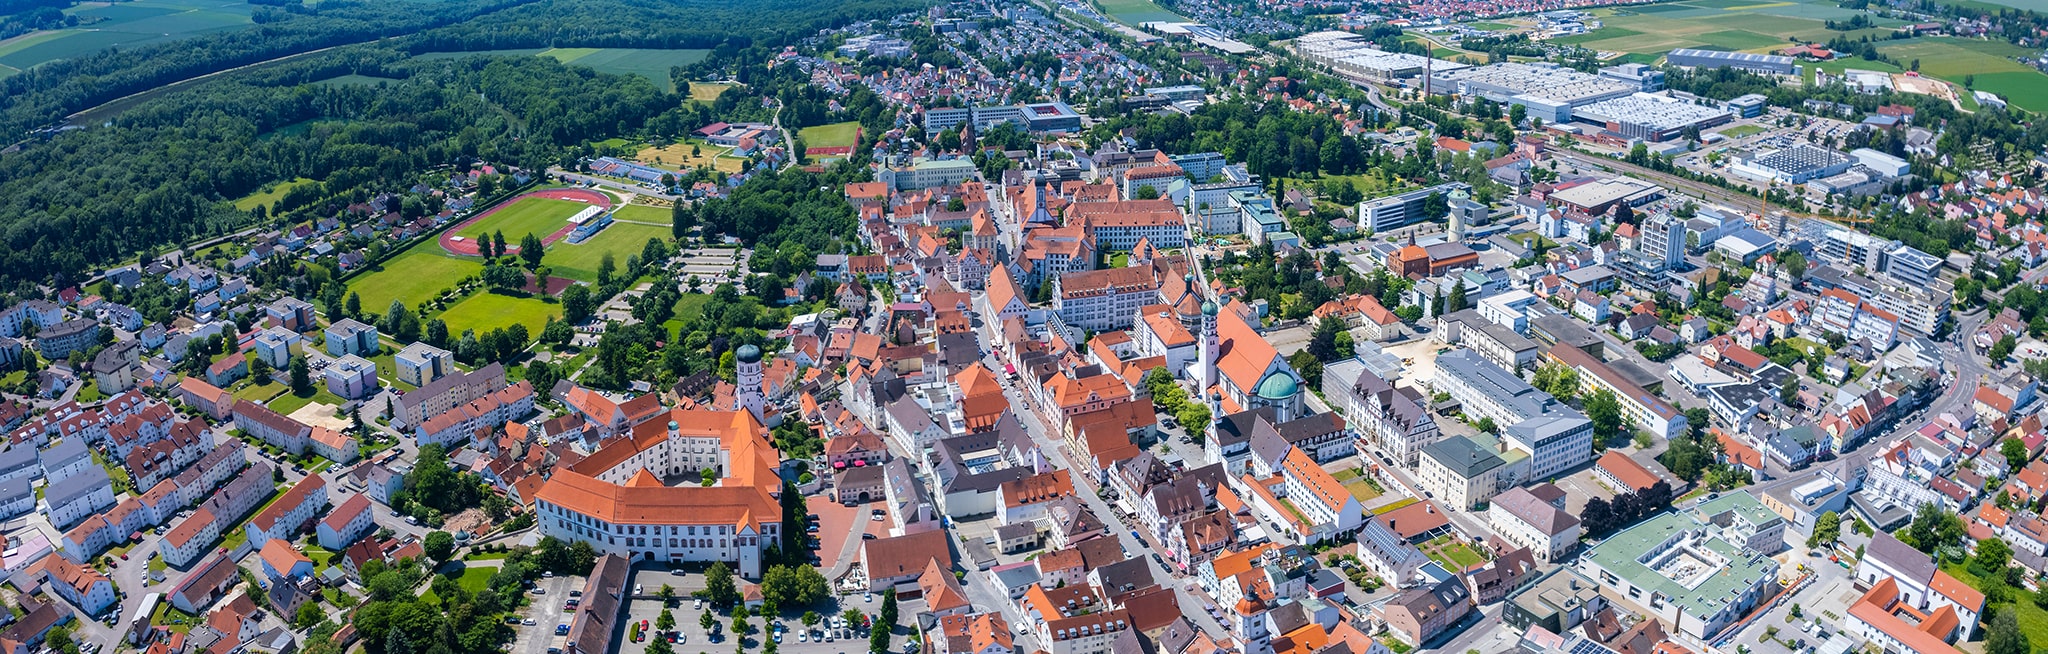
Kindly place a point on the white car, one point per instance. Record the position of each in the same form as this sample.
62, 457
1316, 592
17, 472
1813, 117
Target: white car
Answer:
697, 605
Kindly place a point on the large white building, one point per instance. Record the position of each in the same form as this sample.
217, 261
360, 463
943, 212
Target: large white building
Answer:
1534, 518
1104, 300
619, 499
1557, 437
1700, 569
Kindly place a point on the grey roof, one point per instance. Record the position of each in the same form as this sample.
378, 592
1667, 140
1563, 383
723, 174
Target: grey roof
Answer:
65, 491
14, 489
1483, 376
1898, 556
1236, 428
911, 415
1013, 530
64, 453
1463, 456
1530, 509
1267, 443
1126, 575
18, 457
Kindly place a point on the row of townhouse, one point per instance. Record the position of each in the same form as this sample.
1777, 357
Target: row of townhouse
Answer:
456, 425
285, 518
188, 540
294, 437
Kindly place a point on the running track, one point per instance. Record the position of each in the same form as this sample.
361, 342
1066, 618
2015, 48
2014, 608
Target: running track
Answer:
467, 247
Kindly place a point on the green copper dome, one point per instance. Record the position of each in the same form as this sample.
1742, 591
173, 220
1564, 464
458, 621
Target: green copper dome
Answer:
1208, 308
748, 354
1279, 386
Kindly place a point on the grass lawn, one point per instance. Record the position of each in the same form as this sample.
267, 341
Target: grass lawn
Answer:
1740, 131
476, 579
706, 91
2033, 619
387, 370
486, 556
1449, 551
1803, 344
1390, 508
1361, 490
260, 392
484, 312
320, 556
117, 472
414, 277
690, 154
1490, 26
90, 393
1133, 12
170, 617
156, 563
269, 194
289, 402
1526, 238
653, 64
536, 216
580, 261
836, 134
640, 213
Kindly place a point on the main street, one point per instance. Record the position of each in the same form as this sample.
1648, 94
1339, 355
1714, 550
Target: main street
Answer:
1192, 603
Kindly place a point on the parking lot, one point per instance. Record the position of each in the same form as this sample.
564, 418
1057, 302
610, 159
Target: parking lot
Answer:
688, 614
545, 611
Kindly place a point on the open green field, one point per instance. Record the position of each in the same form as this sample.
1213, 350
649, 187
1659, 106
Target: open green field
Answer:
1739, 25
640, 213
706, 91
1491, 26
537, 216
289, 402
484, 312
649, 63
270, 196
830, 136
1740, 131
653, 64
124, 24
1133, 12
1992, 62
2029, 5
413, 277
579, 261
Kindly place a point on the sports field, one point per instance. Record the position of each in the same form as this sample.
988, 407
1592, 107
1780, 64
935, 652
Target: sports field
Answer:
125, 24
1741, 25
579, 261
1133, 12
537, 216
1992, 62
412, 277
836, 135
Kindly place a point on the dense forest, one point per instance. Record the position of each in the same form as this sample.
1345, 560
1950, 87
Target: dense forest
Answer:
163, 172
45, 94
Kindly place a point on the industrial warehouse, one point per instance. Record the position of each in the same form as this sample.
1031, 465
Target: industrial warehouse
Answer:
1756, 63
1351, 56
1549, 91
1651, 117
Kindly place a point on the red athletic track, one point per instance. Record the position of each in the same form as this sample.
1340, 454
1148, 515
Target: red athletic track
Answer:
467, 247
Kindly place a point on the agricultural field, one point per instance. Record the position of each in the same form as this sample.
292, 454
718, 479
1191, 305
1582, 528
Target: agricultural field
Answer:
836, 135
1133, 12
125, 24
579, 261
413, 277
706, 91
486, 311
269, 195
1991, 62
1740, 25
652, 64
537, 216
677, 156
